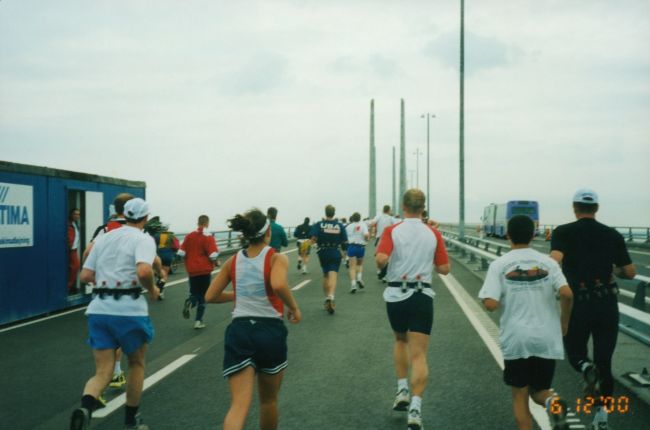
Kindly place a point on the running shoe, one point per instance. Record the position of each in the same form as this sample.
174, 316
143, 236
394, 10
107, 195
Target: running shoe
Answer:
304, 270
591, 380
601, 425
139, 425
558, 415
402, 400
80, 419
199, 324
414, 420
329, 305
353, 289
360, 284
161, 296
299, 264
118, 380
186, 308
101, 401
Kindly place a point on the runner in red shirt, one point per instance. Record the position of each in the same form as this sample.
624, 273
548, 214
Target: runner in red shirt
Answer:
200, 252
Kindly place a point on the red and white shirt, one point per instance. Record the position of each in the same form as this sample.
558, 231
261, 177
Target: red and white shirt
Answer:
414, 248
251, 281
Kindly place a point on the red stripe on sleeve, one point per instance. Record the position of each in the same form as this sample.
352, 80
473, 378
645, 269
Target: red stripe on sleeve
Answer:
440, 257
385, 245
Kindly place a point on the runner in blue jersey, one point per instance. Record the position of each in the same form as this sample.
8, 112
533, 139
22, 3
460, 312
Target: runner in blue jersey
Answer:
330, 235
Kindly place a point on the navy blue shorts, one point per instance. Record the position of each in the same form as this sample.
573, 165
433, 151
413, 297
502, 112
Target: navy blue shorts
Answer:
257, 342
412, 314
114, 331
357, 251
534, 372
166, 256
330, 259
199, 284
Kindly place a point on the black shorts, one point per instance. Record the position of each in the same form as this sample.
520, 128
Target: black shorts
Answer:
166, 256
534, 372
257, 342
199, 284
412, 314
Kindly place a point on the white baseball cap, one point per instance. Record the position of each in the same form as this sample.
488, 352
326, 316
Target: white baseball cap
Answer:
136, 208
585, 195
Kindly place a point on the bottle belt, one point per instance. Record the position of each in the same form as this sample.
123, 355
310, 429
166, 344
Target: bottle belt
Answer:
599, 291
117, 293
406, 285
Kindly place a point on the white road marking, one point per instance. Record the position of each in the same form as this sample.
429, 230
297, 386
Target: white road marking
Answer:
300, 285
483, 326
148, 382
42, 319
634, 251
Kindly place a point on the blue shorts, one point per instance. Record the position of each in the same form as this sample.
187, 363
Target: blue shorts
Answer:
166, 256
257, 342
330, 259
114, 331
357, 251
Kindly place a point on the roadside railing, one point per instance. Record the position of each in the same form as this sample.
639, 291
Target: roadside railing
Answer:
229, 241
633, 320
631, 234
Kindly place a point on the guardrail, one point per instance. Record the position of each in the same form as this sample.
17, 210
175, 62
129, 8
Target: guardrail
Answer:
633, 321
229, 241
631, 234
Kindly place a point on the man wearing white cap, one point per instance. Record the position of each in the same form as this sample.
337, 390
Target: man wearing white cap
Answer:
591, 254
120, 265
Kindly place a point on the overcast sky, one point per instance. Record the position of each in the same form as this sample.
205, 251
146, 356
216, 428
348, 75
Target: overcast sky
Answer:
220, 106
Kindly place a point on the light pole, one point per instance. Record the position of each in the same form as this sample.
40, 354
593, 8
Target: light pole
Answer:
417, 167
411, 178
428, 116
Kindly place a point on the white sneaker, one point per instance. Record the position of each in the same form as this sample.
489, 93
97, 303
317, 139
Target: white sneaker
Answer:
304, 270
199, 324
402, 400
414, 420
353, 289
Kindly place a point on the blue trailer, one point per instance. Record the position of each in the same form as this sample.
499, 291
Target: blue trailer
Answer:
34, 206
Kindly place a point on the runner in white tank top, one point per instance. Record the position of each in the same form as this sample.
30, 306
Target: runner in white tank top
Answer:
255, 345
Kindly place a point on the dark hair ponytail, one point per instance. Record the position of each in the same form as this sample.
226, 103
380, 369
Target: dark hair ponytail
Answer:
249, 225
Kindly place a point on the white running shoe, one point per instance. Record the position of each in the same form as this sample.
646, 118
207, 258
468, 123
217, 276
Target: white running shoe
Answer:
402, 400
199, 324
414, 420
353, 289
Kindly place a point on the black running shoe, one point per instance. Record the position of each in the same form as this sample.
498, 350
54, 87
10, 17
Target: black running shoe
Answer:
80, 419
360, 284
186, 308
592, 380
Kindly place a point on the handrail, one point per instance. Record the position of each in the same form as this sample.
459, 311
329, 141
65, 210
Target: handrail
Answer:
633, 322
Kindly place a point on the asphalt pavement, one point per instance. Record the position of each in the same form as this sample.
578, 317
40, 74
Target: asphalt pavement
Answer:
340, 373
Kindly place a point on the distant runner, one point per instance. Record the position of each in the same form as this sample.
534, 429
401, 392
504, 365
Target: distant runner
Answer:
330, 236
301, 233
357, 232
380, 222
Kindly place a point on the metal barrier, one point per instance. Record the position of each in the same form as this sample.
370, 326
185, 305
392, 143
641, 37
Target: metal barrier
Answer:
633, 322
631, 234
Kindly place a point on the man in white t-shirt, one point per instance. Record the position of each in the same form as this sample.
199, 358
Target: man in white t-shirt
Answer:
414, 249
525, 283
357, 232
380, 222
120, 265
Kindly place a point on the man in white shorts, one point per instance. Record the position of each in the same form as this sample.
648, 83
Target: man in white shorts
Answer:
414, 249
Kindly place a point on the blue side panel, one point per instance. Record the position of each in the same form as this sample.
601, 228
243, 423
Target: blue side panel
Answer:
23, 271
33, 279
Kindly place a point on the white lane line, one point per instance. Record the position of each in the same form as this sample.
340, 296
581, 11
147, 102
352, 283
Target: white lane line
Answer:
483, 325
148, 382
42, 319
634, 251
300, 285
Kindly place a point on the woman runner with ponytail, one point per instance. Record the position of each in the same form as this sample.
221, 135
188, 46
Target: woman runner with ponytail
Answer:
256, 339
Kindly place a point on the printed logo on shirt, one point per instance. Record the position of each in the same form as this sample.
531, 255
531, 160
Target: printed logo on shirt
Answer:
526, 275
331, 228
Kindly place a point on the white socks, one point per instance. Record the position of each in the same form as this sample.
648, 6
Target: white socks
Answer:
416, 403
359, 276
402, 384
118, 367
354, 283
